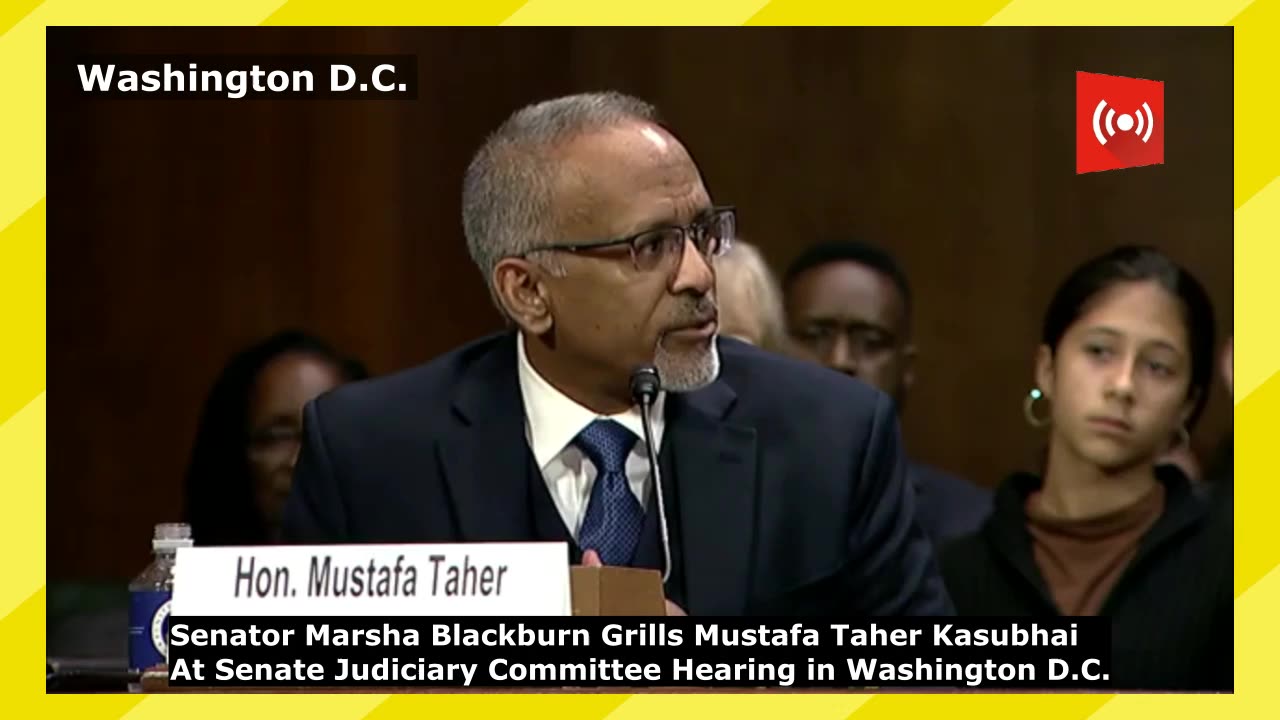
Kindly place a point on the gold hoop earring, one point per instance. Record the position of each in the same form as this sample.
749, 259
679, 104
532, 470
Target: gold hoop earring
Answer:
1029, 409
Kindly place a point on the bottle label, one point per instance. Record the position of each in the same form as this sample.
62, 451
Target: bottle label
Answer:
148, 628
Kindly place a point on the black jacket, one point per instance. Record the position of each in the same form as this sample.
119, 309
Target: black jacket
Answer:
785, 482
1172, 609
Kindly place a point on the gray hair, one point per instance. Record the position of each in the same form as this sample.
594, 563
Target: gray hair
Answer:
747, 289
508, 189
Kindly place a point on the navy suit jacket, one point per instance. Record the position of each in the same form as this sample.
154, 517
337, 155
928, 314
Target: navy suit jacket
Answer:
949, 507
789, 479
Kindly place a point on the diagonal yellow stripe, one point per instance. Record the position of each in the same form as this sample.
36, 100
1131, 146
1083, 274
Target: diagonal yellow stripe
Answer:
1041, 707
22, 74
22, 310
1257, 552
13, 11
1257, 355
740, 706
823, 12
1109, 12
390, 12
872, 707
222, 706
22, 637
1257, 67
22, 629
22, 513
524, 706
1256, 638
669, 12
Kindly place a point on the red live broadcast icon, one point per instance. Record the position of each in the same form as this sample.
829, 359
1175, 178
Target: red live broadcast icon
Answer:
1119, 122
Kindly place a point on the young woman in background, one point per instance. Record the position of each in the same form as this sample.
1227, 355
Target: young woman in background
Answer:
242, 463
1126, 362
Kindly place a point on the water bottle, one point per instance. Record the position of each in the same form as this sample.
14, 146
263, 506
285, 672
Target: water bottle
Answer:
149, 596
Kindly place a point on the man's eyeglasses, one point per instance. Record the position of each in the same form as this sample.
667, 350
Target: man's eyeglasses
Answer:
654, 249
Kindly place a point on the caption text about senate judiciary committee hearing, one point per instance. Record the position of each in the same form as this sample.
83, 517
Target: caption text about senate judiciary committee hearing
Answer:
461, 652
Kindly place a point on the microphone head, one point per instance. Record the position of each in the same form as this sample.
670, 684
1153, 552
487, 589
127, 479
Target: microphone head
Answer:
645, 384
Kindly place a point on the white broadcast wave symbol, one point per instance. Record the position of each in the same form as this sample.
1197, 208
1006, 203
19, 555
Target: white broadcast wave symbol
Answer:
1126, 122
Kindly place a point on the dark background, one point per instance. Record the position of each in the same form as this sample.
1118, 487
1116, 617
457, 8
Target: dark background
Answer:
182, 230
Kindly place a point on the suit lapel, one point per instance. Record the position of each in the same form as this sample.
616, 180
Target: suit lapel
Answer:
485, 454
485, 460
715, 473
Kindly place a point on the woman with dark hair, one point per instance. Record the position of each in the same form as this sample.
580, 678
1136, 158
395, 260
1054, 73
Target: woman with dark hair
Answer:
249, 434
1125, 363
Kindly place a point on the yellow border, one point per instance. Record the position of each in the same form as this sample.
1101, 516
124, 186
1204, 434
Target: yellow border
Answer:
22, 318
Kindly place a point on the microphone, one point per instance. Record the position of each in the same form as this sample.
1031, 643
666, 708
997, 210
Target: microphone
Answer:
644, 390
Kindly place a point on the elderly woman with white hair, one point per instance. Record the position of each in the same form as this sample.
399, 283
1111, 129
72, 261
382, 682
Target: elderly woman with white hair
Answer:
750, 298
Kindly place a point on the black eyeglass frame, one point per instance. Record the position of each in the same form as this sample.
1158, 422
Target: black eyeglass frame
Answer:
687, 234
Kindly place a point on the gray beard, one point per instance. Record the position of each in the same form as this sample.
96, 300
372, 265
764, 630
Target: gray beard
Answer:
686, 372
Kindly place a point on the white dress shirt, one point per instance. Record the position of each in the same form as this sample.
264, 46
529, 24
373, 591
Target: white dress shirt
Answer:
553, 420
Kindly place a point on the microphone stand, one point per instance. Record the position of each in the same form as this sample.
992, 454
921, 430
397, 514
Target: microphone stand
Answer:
644, 390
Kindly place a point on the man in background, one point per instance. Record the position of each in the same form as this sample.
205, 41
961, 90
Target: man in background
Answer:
848, 306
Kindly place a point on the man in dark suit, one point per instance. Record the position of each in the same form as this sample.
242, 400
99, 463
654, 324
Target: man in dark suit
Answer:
848, 304
782, 484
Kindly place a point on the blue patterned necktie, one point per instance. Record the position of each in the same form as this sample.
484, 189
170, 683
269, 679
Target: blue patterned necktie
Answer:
612, 522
